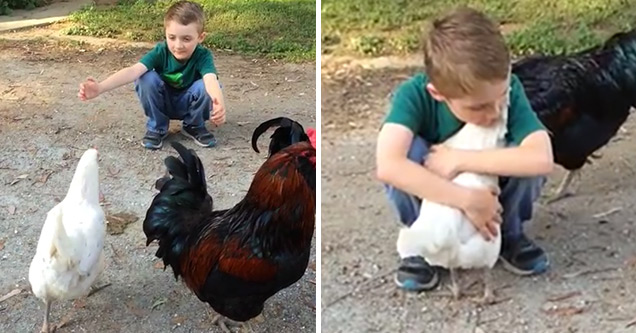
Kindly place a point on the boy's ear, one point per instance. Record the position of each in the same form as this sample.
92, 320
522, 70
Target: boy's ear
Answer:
435, 93
202, 36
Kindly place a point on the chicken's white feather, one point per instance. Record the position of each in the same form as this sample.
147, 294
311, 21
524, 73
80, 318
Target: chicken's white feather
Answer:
442, 234
69, 255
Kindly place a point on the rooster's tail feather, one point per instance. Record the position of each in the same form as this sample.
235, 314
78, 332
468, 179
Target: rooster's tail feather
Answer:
182, 202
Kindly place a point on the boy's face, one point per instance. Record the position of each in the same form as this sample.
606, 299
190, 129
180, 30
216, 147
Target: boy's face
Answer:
482, 107
183, 39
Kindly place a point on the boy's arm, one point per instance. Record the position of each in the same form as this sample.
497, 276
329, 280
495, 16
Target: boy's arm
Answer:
213, 88
531, 158
394, 168
122, 77
90, 88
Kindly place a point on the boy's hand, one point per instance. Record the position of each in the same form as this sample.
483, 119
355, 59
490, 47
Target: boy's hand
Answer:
218, 112
483, 209
88, 89
443, 161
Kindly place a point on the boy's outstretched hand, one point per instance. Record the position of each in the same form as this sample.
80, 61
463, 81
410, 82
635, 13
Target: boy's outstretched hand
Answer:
218, 112
88, 89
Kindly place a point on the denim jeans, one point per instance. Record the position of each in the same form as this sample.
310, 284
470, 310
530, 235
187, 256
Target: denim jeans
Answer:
162, 103
517, 197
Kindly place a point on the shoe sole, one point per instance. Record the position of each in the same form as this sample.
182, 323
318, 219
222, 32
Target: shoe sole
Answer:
195, 140
155, 147
417, 287
512, 269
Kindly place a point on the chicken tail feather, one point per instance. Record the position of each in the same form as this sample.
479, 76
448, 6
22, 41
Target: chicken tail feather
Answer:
287, 133
181, 204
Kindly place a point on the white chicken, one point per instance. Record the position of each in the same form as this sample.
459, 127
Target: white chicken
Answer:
442, 234
69, 255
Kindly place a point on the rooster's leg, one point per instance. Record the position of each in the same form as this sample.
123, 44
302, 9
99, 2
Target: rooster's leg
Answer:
489, 296
47, 309
221, 322
454, 287
561, 191
247, 327
596, 155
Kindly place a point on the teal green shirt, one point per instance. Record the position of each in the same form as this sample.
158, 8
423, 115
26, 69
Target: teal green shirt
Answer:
415, 108
176, 74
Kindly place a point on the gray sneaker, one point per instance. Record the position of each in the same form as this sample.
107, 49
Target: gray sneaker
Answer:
200, 135
153, 140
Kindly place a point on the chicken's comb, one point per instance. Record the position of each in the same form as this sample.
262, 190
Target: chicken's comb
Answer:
311, 133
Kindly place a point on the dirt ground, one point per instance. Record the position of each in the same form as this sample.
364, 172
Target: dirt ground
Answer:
590, 288
44, 129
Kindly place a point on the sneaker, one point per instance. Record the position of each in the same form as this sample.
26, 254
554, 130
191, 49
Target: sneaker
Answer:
153, 140
415, 274
200, 135
523, 257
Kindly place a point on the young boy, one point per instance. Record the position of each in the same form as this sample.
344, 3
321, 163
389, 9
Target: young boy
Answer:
175, 80
466, 81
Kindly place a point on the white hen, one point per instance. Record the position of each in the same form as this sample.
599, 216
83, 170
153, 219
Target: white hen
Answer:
69, 255
442, 234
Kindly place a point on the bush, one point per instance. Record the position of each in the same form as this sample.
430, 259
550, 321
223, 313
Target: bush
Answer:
7, 5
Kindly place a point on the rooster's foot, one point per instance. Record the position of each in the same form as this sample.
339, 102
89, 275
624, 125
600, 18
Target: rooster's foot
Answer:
247, 327
223, 323
562, 191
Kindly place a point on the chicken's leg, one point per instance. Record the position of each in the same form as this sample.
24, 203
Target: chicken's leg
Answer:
247, 327
489, 296
45, 326
454, 287
561, 191
221, 322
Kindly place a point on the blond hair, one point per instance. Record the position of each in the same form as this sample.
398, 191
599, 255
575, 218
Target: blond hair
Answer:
462, 49
186, 12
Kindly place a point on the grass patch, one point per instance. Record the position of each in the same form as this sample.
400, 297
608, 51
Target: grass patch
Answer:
280, 29
383, 27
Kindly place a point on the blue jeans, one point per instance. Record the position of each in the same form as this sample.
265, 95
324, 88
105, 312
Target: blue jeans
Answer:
162, 103
517, 197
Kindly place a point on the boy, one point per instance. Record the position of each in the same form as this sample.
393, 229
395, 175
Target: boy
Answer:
175, 80
466, 81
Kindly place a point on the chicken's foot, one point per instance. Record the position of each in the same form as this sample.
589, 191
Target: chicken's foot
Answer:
94, 289
47, 310
561, 192
225, 323
247, 327
47, 327
489, 295
454, 286
596, 155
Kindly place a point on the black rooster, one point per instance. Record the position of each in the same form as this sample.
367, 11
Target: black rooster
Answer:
236, 259
583, 99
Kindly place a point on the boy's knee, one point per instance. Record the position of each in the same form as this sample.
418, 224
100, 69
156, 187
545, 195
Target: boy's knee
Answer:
198, 92
532, 184
149, 81
406, 205
523, 188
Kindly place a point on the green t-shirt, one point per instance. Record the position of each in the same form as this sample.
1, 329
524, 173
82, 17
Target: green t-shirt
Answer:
179, 75
416, 109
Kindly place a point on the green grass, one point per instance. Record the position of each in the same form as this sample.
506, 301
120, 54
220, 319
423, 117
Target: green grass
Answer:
382, 27
280, 29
